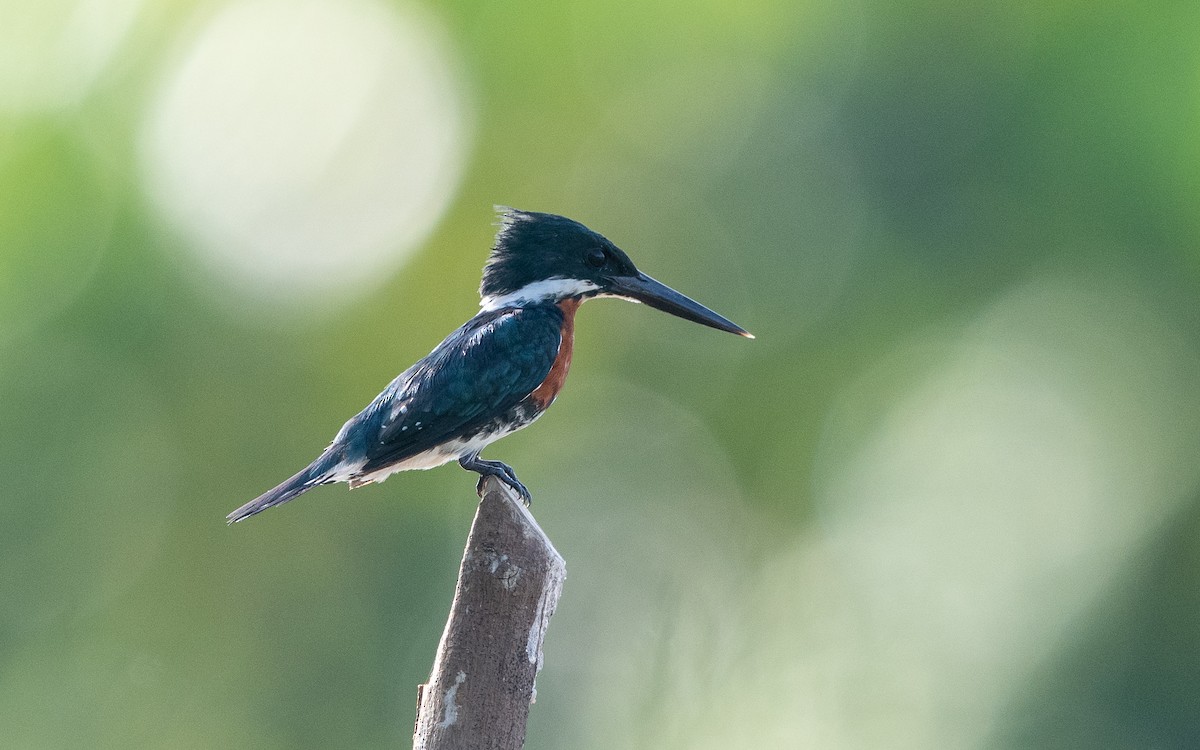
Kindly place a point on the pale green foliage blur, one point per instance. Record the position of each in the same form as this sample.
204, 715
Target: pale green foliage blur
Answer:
949, 498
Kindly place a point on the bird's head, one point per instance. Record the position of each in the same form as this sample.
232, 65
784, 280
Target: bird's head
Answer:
541, 257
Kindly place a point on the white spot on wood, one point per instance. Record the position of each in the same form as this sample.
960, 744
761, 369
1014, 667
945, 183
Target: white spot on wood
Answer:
507, 573
451, 707
496, 561
545, 608
551, 590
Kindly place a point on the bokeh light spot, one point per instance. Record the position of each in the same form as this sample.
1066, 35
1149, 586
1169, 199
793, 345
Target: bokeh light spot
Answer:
986, 506
52, 51
306, 149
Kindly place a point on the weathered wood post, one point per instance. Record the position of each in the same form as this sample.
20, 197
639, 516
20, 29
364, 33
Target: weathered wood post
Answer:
482, 683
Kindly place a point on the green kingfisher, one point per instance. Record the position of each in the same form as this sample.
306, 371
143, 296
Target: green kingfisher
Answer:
500, 370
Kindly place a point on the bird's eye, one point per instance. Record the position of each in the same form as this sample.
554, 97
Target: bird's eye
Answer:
596, 257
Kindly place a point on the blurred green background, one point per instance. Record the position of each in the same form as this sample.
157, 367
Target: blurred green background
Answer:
950, 498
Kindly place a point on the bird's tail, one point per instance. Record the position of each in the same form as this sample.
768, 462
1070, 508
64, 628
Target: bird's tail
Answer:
315, 474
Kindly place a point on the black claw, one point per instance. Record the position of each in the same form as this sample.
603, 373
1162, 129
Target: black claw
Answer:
498, 469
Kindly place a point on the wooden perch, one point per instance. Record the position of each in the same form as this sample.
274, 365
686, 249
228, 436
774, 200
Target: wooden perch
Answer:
482, 683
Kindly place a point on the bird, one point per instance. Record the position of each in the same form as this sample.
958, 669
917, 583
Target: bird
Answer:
499, 371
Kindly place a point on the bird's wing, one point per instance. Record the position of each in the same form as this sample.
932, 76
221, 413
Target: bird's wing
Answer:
479, 371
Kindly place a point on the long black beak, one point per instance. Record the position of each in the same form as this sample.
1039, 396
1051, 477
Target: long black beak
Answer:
642, 288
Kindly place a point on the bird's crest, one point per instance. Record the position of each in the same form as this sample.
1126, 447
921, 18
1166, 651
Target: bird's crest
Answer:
526, 243
506, 218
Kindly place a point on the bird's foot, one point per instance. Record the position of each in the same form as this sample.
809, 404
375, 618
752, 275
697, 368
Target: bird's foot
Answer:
498, 469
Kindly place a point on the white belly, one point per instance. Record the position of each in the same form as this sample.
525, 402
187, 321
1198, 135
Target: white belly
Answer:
442, 454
